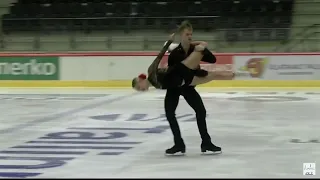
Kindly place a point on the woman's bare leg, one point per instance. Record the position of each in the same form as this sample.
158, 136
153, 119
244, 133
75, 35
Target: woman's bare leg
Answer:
225, 75
193, 60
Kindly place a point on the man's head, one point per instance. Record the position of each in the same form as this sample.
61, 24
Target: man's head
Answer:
185, 29
140, 83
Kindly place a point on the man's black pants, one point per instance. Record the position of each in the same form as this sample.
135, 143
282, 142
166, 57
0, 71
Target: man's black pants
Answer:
194, 100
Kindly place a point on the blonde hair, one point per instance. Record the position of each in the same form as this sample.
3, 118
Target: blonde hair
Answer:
184, 25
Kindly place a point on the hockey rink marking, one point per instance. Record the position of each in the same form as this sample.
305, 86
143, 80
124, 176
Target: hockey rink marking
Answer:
52, 97
64, 114
64, 146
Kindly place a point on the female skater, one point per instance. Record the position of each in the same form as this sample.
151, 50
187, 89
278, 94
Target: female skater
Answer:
178, 75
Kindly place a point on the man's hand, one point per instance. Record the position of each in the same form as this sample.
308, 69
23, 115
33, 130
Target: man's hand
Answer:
199, 42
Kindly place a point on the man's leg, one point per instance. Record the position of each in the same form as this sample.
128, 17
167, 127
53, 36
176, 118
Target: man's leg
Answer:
170, 103
195, 101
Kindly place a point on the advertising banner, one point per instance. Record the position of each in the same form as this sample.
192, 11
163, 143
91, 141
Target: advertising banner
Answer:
277, 67
29, 68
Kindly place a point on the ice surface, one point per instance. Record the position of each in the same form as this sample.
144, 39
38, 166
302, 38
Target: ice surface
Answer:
263, 133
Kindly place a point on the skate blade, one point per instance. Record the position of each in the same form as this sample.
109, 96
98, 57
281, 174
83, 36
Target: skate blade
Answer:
175, 154
211, 153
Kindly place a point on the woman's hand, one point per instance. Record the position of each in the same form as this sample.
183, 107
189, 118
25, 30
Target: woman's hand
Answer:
172, 36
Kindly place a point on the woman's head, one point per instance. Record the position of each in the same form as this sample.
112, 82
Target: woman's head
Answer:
140, 83
185, 30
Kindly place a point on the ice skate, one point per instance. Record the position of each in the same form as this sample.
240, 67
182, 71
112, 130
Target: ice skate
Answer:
210, 148
176, 150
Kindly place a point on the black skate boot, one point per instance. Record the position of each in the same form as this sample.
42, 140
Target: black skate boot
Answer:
209, 147
177, 149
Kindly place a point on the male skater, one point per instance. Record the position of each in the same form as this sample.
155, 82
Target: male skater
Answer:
178, 54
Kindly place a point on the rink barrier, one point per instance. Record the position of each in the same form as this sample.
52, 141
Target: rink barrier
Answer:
116, 69
127, 84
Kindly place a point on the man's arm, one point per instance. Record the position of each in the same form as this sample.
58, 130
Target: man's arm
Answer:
194, 43
172, 59
159, 57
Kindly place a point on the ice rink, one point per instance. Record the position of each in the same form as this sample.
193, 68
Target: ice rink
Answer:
103, 133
